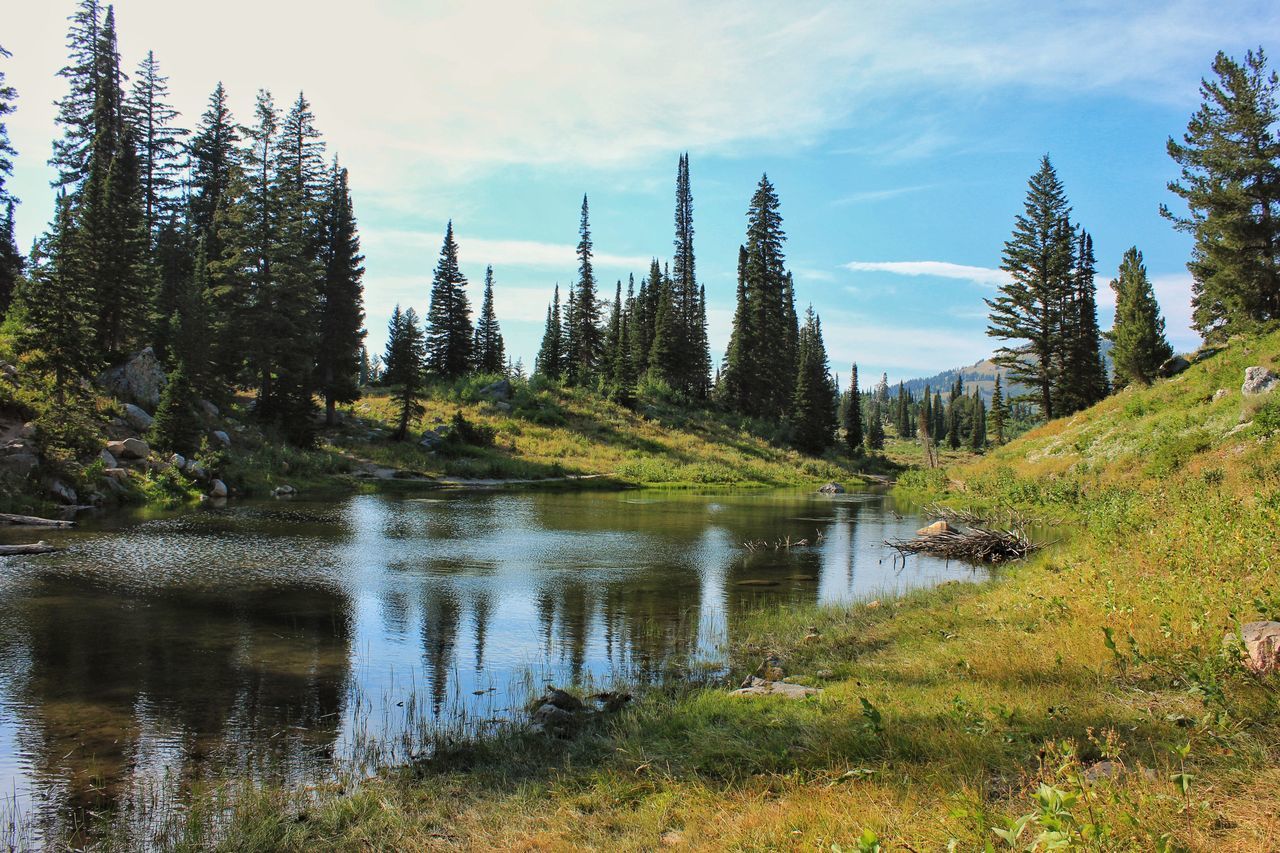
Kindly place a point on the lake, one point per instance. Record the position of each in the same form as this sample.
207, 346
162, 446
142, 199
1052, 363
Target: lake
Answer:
275, 637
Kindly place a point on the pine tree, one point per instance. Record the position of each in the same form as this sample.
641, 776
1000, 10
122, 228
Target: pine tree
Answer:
1038, 258
159, 143
11, 260
692, 351
875, 427
1082, 377
177, 427
75, 109
449, 332
998, 411
490, 352
188, 323
939, 429
1230, 181
8, 95
664, 355
612, 340
550, 362
853, 437
978, 424
584, 345
1140, 346
404, 364
56, 329
341, 300
812, 414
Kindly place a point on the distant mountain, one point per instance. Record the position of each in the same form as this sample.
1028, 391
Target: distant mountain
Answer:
981, 374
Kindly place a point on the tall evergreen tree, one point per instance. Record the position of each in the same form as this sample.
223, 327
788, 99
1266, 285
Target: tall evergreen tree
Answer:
8, 95
188, 335
159, 143
1230, 181
692, 352
812, 415
664, 355
76, 108
1082, 378
999, 413
875, 426
11, 260
341, 299
584, 343
1139, 344
490, 352
449, 332
550, 362
177, 427
56, 328
1029, 307
853, 437
404, 364
978, 423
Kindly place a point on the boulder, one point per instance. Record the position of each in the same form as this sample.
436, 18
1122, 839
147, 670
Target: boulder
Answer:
502, 406
130, 448
18, 462
194, 470
8, 371
222, 438
936, 527
119, 474
832, 489
217, 489
1173, 366
500, 390
284, 491
28, 430
1262, 646
61, 491
139, 380
178, 461
550, 717
209, 409
108, 460
1220, 394
760, 687
432, 438
1259, 380
137, 418
563, 700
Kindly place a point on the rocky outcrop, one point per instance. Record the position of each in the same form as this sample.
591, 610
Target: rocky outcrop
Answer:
1173, 366
760, 687
139, 380
1262, 646
61, 491
500, 390
1259, 380
832, 489
18, 458
129, 448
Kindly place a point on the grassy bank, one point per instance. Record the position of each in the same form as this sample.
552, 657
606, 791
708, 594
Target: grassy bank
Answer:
1083, 699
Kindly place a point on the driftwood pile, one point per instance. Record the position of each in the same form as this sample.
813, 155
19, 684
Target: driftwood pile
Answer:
978, 541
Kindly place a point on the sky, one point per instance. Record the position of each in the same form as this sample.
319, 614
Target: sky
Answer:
899, 136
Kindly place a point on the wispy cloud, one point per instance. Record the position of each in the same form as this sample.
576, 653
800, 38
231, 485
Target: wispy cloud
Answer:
869, 196
985, 276
521, 253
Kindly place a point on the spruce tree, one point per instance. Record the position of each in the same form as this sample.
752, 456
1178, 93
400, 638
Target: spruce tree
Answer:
978, 423
812, 414
1038, 257
188, 324
1082, 377
404, 364
8, 95
550, 361
1230, 181
56, 329
1139, 344
853, 437
939, 427
664, 356
75, 109
177, 427
998, 411
875, 427
449, 332
490, 352
692, 351
11, 260
613, 341
584, 345
341, 300
159, 143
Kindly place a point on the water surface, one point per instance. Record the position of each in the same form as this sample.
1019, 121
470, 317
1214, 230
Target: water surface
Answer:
160, 650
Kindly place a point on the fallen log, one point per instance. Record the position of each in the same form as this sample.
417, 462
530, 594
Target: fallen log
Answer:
975, 545
33, 521
33, 548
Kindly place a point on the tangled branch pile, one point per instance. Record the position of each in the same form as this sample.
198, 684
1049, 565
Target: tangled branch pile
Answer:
977, 544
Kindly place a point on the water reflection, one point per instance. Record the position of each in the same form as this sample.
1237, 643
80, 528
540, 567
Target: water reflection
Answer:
154, 653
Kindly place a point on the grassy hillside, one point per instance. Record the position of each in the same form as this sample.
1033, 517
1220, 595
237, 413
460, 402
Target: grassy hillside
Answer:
1085, 699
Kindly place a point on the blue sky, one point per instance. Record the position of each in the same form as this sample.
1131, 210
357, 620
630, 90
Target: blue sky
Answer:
899, 136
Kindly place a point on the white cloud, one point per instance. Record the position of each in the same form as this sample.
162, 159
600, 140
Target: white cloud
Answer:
522, 253
867, 196
985, 276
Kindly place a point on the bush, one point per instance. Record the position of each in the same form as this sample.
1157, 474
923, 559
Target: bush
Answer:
463, 433
1266, 418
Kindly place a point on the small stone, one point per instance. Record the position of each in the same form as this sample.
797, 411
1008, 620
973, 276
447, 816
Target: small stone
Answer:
563, 700
831, 489
1103, 770
1259, 380
217, 489
1220, 394
284, 491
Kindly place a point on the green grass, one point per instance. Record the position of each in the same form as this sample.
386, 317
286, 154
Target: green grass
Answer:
964, 716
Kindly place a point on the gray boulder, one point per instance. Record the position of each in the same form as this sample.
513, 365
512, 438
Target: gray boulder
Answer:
178, 461
108, 460
500, 390
18, 461
209, 409
284, 491
433, 438
832, 489
120, 474
130, 448
1259, 380
222, 438
62, 492
1173, 366
550, 717
760, 687
139, 380
137, 418
217, 489
28, 430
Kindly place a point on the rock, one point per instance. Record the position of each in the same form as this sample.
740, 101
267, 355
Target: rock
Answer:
563, 700
612, 701
209, 409
62, 491
222, 438
1262, 646
1220, 394
502, 406
217, 489
831, 489
1206, 351
551, 717
284, 491
137, 418
195, 471
1173, 366
1103, 770
108, 460
139, 380
18, 462
178, 461
1239, 428
936, 527
1259, 380
432, 439
770, 669
760, 687
500, 390
119, 474
814, 635
28, 430
130, 448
